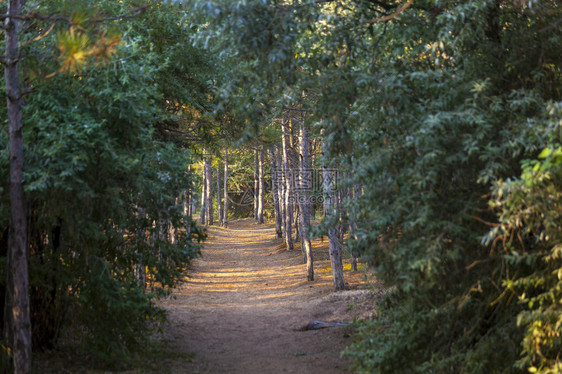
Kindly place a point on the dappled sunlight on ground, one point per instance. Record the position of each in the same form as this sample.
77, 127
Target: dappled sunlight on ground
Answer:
246, 299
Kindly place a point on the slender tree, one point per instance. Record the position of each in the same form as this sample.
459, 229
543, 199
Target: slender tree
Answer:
288, 189
260, 186
281, 189
275, 193
225, 210
256, 184
333, 240
219, 198
305, 183
203, 214
17, 330
356, 192
209, 189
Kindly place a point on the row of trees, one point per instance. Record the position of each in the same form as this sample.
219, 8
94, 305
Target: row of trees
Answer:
289, 183
448, 114
104, 104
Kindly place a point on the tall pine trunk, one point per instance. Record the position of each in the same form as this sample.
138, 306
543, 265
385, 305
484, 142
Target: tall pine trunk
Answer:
187, 212
288, 190
333, 240
225, 210
281, 189
256, 185
209, 190
275, 193
353, 223
305, 185
17, 325
203, 213
260, 186
219, 199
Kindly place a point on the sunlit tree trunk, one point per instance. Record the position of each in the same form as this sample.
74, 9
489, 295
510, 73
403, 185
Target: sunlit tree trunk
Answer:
288, 190
256, 184
203, 213
17, 331
333, 240
305, 184
260, 186
225, 210
187, 208
219, 198
296, 212
209, 190
341, 213
281, 189
275, 193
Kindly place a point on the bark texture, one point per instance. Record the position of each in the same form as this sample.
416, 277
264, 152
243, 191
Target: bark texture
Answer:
203, 214
17, 317
225, 210
209, 190
333, 240
288, 190
219, 199
275, 193
260, 187
256, 184
305, 183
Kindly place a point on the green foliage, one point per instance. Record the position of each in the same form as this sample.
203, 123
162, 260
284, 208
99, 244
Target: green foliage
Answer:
432, 110
530, 215
103, 184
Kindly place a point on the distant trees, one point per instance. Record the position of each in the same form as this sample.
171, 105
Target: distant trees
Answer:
105, 165
446, 115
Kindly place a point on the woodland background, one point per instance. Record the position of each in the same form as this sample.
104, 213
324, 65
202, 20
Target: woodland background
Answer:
445, 117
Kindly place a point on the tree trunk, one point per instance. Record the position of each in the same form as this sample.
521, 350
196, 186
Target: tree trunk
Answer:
353, 224
187, 212
305, 185
209, 190
333, 242
225, 212
187, 208
281, 190
288, 190
256, 184
275, 193
140, 268
219, 198
203, 214
294, 166
260, 186
17, 327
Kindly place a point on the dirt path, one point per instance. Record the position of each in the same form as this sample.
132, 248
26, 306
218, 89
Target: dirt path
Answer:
246, 299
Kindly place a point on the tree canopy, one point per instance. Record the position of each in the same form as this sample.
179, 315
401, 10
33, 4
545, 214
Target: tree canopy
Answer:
447, 112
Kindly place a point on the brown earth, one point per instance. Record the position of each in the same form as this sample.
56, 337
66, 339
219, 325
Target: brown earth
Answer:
245, 304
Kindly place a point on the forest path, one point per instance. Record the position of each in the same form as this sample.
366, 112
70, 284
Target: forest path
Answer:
245, 300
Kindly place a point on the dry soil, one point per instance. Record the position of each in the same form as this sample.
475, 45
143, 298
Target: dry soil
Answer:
246, 301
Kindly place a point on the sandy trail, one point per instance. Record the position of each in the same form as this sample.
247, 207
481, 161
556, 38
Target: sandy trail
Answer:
245, 301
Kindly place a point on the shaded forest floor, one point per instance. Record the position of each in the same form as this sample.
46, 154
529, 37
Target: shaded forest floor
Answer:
243, 307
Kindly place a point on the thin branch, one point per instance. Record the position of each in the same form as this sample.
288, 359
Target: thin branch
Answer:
485, 222
35, 16
45, 34
391, 16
